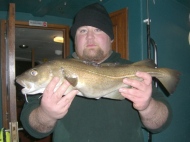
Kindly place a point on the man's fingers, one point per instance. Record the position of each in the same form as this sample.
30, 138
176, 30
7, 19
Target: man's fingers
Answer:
141, 85
131, 82
147, 78
62, 89
50, 87
68, 98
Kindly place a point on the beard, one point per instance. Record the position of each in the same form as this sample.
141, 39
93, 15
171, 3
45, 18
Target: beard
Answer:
93, 55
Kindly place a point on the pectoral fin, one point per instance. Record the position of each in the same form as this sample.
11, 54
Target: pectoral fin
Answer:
72, 80
70, 77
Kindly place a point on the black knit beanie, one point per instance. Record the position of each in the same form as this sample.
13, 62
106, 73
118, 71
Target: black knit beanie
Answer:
93, 15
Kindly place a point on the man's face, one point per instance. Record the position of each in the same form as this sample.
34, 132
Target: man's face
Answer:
92, 44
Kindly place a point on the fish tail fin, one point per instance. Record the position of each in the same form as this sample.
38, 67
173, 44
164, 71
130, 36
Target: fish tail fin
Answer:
169, 79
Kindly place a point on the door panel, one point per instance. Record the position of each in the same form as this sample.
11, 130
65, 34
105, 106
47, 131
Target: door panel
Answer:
120, 28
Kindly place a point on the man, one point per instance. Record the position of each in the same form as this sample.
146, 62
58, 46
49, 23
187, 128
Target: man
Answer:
77, 119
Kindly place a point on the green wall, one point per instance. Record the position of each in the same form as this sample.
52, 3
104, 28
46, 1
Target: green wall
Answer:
170, 27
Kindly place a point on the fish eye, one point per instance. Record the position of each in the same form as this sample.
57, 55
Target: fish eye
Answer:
34, 72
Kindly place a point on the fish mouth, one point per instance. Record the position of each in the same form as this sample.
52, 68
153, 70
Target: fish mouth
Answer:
30, 88
32, 91
26, 89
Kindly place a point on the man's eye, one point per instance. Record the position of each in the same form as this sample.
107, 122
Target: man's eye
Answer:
82, 31
98, 30
33, 72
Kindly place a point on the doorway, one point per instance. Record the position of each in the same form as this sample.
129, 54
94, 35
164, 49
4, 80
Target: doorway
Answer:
40, 48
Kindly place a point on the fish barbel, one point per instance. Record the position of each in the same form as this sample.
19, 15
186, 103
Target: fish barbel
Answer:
93, 81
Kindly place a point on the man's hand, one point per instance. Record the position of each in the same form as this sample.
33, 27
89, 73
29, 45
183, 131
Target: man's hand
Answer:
54, 106
153, 113
140, 93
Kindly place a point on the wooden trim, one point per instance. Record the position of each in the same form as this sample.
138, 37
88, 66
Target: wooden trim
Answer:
11, 63
5, 100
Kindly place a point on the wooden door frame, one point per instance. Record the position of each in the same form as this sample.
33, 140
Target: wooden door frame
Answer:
4, 82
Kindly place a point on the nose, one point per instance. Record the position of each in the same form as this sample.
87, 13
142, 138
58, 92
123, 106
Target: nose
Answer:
90, 34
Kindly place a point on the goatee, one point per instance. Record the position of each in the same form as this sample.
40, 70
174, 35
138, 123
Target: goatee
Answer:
95, 55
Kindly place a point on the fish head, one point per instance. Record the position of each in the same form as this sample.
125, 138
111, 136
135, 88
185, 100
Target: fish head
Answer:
36, 79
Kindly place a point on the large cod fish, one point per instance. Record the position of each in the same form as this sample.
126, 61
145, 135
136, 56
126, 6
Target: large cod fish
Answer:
93, 80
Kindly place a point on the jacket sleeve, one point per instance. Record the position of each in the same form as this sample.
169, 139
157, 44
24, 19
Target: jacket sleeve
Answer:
33, 102
159, 96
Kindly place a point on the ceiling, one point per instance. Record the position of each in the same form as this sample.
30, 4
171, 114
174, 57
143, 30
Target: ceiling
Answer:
58, 8
42, 40
40, 8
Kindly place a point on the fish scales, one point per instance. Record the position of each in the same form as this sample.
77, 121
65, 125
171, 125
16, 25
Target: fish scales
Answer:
109, 71
96, 79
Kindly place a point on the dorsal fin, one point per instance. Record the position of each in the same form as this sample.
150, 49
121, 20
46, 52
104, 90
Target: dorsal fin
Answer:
110, 64
148, 62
